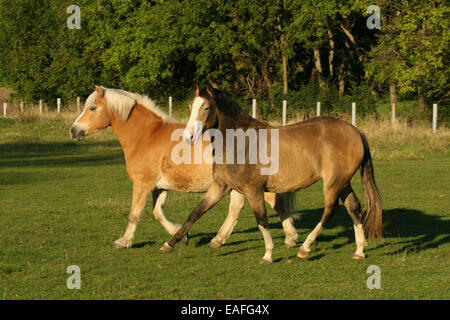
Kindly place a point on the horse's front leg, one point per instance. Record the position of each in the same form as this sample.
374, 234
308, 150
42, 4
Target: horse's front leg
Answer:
256, 200
215, 192
159, 199
140, 193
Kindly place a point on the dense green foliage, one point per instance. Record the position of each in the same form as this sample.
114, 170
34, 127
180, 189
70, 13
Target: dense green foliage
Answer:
250, 47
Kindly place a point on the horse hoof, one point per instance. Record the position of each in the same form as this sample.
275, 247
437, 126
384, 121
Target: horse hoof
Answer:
119, 245
290, 244
357, 257
214, 244
302, 254
166, 248
265, 261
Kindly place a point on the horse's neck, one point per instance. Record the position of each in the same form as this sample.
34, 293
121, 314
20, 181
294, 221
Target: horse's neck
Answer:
238, 120
140, 121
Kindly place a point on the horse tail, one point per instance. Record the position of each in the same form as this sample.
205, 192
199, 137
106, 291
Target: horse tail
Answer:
373, 222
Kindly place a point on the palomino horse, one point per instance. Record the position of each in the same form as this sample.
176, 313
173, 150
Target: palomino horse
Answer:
322, 147
144, 131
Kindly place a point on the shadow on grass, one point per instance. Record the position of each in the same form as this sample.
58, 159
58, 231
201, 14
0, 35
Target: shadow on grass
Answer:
49, 154
143, 244
412, 229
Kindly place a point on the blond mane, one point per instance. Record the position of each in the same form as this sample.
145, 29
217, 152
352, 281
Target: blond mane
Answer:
121, 102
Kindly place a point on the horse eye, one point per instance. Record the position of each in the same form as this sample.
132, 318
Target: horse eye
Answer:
93, 108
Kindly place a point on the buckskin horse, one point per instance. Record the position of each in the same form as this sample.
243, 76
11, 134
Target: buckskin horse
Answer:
144, 132
320, 148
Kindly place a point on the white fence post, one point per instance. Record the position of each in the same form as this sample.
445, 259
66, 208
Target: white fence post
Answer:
318, 109
354, 113
435, 114
41, 107
284, 112
5, 107
78, 104
254, 108
21, 106
170, 106
58, 103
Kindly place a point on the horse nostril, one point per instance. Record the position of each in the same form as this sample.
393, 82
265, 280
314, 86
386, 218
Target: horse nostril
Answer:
77, 134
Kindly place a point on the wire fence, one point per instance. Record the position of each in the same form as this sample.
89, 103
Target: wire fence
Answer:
281, 112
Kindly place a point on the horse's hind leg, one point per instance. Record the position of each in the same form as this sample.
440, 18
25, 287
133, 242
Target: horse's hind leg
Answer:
353, 207
256, 201
331, 207
159, 199
282, 204
140, 193
237, 201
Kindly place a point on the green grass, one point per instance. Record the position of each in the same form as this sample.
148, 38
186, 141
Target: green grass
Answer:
64, 203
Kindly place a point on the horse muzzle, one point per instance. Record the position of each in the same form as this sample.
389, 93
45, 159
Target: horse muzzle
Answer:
192, 133
77, 133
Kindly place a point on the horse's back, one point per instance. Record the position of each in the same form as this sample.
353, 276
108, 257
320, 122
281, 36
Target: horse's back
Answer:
324, 134
322, 147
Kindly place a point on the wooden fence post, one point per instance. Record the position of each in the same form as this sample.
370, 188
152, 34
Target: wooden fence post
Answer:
41, 107
58, 103
21, 106
318, 109
254, 108
78, 104
170, 106
354, 113
284, 112
435, 114
5, 107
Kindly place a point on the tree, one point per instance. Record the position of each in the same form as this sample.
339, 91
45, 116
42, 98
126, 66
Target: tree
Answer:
412, 52
249, 47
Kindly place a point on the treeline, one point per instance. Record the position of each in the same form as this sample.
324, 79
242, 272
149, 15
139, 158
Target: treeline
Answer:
250, 47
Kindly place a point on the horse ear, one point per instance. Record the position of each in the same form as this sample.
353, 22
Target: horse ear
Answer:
197, 90
99, 90
210, 90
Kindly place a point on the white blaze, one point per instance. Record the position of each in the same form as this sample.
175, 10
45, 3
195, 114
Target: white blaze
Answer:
79, 126
193, 127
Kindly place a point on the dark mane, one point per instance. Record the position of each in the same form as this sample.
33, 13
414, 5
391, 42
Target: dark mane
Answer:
228, 106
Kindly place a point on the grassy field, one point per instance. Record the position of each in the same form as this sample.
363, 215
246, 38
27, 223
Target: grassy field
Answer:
64, 203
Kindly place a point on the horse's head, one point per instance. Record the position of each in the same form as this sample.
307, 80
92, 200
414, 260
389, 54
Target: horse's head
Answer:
94, 117
203, 116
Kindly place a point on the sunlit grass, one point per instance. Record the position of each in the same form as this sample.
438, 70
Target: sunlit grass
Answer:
64, 203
